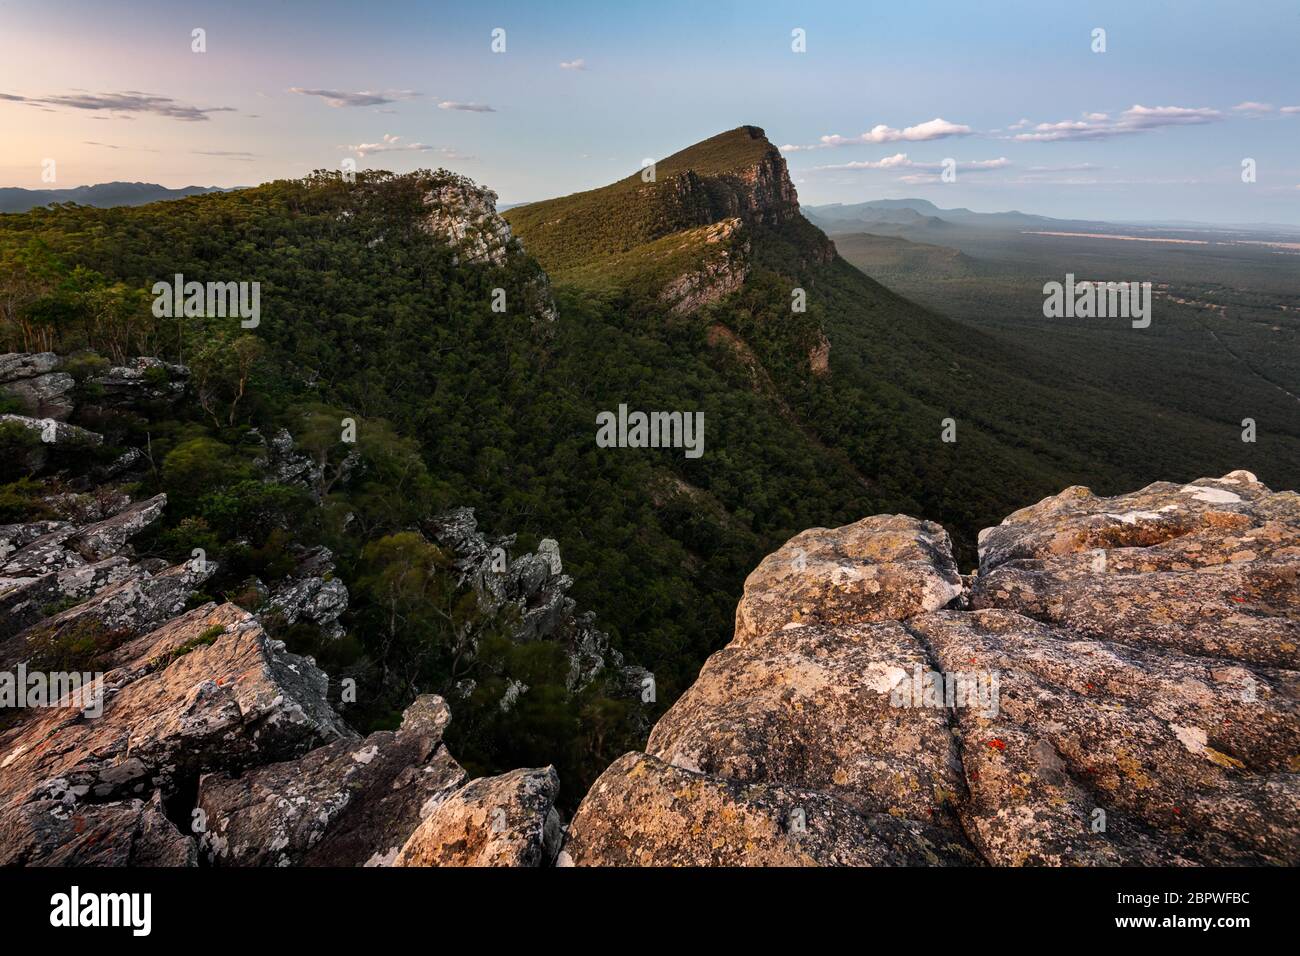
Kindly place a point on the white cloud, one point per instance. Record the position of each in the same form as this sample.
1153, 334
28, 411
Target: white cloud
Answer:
393, 144
901, 161
578, 64
1250, 106
1290, 109
937, 128
889, 162
465, 107
1066, 168
1135, 119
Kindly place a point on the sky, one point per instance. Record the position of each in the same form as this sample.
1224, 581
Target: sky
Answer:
1015, 94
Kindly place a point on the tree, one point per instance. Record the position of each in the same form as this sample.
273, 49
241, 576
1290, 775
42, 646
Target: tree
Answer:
222, 371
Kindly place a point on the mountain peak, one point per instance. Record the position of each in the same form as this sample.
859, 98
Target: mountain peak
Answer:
731, 152
658, 218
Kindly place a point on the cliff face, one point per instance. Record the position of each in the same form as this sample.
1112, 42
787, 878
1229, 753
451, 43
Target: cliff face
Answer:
1117, 685
757, 190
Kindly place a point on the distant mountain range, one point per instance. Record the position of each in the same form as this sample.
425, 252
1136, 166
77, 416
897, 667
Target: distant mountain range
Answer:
921, 213
14, 199
922, 219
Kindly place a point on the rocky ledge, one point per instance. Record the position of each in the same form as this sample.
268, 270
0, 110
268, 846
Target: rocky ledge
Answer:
1116, 685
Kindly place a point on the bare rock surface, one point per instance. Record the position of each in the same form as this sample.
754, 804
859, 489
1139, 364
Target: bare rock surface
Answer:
134, 605
1103, 753
644, 812
509, 820
809, 706
1209, 568
207, 690
129, 832
349, 803
882, 568
1122, 690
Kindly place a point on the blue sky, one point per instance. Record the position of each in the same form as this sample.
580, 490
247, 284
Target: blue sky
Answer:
1156, 127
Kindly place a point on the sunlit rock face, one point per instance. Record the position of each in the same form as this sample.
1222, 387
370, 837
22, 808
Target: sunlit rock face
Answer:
1117, 687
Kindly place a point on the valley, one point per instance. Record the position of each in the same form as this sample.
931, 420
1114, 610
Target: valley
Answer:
1224, 343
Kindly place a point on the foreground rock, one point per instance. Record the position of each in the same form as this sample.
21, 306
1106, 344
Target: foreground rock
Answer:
809, 706
1123, 692
644, 812
882, 568
1210, 568
349, 803
206, 691
508, 820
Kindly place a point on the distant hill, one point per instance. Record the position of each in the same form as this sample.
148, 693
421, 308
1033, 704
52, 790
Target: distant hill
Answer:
102, 195
914, 213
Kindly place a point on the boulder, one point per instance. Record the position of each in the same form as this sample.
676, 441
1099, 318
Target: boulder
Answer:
1120, 689
882, 568
809, 706
1209, 568
508, 820
120, 833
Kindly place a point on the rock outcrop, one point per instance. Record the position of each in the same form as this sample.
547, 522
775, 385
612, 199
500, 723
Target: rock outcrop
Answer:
141, 380
463, 215
207, 690
508, 820
1118, 687
349, 803
34, 380
535, 588
721, 270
